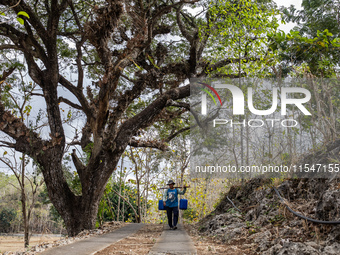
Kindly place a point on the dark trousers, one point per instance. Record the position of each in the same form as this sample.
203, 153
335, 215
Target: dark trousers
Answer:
169, 211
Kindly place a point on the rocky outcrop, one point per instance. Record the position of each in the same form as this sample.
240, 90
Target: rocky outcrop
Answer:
265, 224
268, 227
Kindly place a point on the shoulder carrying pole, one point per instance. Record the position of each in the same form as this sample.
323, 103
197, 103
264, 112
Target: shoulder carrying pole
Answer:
176, 187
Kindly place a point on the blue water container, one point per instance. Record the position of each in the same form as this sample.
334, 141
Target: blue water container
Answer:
183, 204
160, 205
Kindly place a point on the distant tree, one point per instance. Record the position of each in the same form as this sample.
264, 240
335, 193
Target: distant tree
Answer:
315, 15
310, 51
315, 41
27, 194
6, 216
27, 182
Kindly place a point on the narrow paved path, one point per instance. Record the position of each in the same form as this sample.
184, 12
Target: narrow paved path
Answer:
174, 242
94, 244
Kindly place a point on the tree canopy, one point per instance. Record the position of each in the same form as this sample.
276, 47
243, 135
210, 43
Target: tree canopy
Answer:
121, 66
314, 41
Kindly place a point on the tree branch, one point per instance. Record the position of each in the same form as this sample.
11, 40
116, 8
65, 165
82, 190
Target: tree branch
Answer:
80, 167
79, 95
184, 32
9, 47
78, 61
27, 141
213, 67
11, 7
161, 145
75, 15
66, 101
33, 20
146, 117
187, 106
8, 144
169, 7
172, 136
7, 73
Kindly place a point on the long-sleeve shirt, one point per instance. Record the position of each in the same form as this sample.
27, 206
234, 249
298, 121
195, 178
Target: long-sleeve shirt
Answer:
170, 196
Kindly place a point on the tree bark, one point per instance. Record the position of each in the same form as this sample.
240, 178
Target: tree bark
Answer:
23, 203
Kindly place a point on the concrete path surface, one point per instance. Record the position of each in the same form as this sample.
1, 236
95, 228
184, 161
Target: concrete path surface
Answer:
174, 242
94, 244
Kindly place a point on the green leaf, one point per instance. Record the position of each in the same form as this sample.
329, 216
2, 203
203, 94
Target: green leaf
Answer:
152, 61
132, 181
22, 13
69, 114
20, 20
137, 65
3, 14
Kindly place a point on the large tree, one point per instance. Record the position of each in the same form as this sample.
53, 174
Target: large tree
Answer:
131, 59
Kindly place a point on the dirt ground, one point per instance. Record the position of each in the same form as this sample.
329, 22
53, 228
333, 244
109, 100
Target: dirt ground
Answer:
16, 243
206, 245
139, 243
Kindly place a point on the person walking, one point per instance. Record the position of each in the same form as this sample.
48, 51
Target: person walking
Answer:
170, 202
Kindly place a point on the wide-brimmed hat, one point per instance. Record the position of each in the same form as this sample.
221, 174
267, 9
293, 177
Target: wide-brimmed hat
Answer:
170, 182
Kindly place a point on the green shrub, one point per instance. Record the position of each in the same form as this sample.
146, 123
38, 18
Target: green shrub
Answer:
190, 214
6, 216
